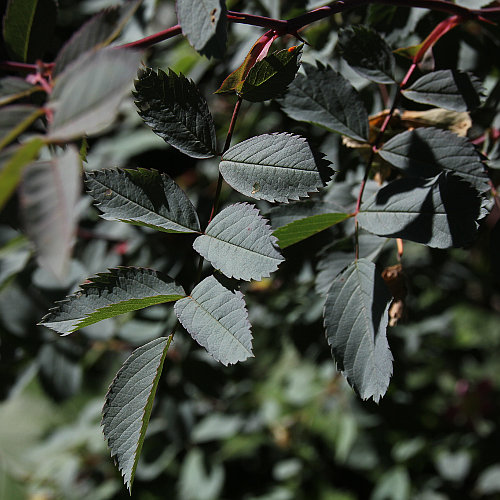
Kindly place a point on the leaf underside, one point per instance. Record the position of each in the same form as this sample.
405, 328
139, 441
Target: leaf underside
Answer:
218, 320
129, 401
239, 242
274, 167
173, 107
355, 318
325, 98
106, 295
144, 198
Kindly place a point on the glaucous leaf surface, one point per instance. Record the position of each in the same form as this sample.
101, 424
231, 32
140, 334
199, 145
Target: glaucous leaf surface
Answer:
144, 198
15, 119
49, 194
129, 401
274, 167
106, 295
447, 88
355, 319
13, 88
304, 228
204, 24
87, 94
173, 107
218, 320
425, 152
442, 212
239, 242
367, 53
96, 33
270, 77
27, 28
325, 98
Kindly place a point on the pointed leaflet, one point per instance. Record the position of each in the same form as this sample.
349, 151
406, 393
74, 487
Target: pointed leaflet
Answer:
449, 89
15, 119
87, 94
122, 290
270, 77
176, 111
49, 194
325, 98
129, 401
425, 152
218, 320
239, 243
274, 167
367, 53
204, 24
441, 212
144, 198
13, 88
96, 33
356, 321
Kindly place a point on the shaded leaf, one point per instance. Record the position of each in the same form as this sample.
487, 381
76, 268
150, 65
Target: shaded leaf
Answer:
367, 53
325, 98
13, 88
87, 94
204, 24
15, 119
48, 196
440, 212
96, 33
356, 321
12, 163
239, 243
425, 152
15, 252
173, 107
106, 295
304, 228
270, 76
274, 167
449, 89
129, 401
144, 198
27, 28
218, 320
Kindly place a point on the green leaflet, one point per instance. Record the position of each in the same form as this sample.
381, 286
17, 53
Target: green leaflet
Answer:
106, 295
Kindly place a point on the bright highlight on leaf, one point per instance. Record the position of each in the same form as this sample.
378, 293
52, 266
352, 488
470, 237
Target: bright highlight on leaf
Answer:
325, 98
218, 320
304, 228
356, 321
106, 295
144, 198
239, 242
274, 167
176, 111
129, 401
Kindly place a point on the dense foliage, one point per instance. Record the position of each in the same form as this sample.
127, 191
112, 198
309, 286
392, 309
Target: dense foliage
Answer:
327, 188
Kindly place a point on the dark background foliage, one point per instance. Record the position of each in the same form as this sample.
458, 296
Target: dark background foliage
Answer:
285, 424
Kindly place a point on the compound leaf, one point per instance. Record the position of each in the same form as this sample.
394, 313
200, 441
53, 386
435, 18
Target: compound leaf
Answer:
239, 243
13, 88
447, 88
425, 152
274, 167
367, 53
106, 295
15, 119
304, 228
270, 77
440, 212
129, 401
87, 94
173, 107
218, 320
355, 318
325, 98
96, 33
49, 194
143, 198
204, 24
